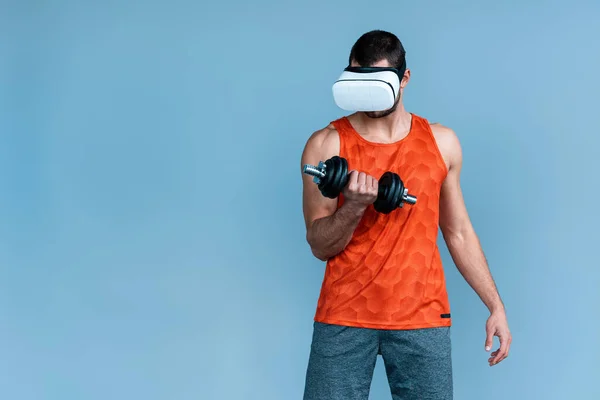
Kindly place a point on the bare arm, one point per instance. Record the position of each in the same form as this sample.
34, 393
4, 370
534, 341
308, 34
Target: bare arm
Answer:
463, 243
328, 229
456, 227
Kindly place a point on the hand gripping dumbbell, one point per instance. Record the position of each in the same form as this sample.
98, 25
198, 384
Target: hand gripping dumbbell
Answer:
331, 176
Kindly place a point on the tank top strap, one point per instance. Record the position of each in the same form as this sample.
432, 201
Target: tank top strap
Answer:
422, 131
420, 128
342, 125
347, 137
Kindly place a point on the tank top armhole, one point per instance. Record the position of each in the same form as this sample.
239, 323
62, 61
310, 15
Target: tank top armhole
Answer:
427, 127
339, 125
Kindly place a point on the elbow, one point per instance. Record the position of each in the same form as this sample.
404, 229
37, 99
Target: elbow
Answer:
319, 255
315, 248
455, 236
459, 237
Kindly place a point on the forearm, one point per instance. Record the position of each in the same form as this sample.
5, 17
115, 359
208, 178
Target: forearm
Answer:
470, 260
330, 235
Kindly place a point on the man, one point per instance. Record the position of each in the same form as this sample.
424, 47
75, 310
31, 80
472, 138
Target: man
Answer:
384, 290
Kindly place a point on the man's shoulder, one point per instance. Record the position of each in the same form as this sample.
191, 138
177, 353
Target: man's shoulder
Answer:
447, 142
325, 136
443, 134
436, 127
440, 129
324, 142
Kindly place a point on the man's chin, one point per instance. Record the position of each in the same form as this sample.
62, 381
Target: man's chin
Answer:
378, 114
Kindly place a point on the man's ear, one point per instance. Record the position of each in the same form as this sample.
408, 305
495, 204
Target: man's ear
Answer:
405, 79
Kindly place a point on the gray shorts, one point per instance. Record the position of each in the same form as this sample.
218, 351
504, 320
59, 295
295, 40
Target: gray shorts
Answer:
342, 360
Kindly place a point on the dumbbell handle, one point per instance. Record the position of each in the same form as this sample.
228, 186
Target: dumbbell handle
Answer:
318, 172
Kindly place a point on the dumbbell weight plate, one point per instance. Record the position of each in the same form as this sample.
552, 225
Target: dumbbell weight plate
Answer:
336, 173
390, 193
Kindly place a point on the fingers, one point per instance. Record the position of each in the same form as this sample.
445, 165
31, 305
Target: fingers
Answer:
361, 188
356, 181
369, 186
352, 177
501, 354
492, 356
362, 179
362, 183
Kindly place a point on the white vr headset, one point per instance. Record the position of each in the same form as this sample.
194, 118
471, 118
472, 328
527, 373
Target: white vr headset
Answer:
367, 88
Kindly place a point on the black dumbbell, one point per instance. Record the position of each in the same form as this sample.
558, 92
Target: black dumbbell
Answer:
331, 176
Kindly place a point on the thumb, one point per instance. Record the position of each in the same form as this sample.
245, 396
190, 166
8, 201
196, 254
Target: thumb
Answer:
489, 341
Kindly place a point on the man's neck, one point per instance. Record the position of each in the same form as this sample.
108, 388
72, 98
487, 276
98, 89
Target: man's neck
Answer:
391, 127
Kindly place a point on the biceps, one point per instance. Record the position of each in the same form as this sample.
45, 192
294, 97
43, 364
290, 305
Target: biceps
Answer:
454, 218
314, 204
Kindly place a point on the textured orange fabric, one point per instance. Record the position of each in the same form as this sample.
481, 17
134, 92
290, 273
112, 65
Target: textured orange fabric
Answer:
390, 275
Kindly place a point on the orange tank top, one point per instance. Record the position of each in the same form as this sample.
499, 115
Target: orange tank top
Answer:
390, 275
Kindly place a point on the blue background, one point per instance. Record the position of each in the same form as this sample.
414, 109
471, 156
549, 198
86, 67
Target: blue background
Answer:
151, 233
